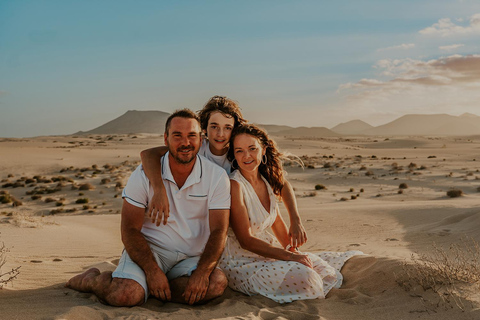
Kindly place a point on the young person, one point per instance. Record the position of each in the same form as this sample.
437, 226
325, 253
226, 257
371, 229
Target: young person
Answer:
254, 261
218, 118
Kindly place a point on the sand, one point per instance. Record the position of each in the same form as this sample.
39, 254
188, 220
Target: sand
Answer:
53, 241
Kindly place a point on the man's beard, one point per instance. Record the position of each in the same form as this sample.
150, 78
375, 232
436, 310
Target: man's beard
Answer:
176, 155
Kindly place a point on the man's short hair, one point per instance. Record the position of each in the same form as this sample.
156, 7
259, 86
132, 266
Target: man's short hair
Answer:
182, 113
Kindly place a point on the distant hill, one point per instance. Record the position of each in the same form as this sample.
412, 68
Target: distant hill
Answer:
133, 122
429, 124
412, 124
352, 127
273, 128
307, 132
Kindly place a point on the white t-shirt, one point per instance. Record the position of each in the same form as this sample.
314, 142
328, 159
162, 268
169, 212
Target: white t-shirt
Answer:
187, 229
222, 161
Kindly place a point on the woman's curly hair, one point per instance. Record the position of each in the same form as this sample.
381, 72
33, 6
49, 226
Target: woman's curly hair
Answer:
272, 170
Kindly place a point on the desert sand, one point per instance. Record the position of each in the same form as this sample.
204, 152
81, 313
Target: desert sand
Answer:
358, 206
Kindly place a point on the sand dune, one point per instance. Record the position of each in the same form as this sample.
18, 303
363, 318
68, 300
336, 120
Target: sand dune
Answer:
355, 211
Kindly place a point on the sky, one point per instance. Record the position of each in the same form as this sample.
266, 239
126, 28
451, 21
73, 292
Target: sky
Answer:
67, 66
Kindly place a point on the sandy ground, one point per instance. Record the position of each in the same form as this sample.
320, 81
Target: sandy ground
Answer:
361, 207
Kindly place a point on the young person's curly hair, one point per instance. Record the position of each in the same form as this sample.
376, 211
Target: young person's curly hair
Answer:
272, 170
225, 106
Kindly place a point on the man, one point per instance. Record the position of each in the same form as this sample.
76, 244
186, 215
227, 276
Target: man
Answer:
176, 261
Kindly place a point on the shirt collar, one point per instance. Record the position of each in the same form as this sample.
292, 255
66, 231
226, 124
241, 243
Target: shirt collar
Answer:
192, 179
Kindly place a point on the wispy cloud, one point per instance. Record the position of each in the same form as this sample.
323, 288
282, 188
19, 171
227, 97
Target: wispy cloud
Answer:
451, 47
433, 86
403, 46
445, 27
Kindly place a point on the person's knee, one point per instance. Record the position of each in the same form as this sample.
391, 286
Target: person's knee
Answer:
218, 283
128, 293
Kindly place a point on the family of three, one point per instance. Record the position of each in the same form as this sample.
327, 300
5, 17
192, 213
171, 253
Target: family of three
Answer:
189, 229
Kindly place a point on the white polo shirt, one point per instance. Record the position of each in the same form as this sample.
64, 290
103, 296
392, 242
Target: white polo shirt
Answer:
222, 160
187, 229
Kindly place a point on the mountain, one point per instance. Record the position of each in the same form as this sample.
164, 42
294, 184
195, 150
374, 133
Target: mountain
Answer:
273, 128
353, 127
133, 121
429, 124
307, 132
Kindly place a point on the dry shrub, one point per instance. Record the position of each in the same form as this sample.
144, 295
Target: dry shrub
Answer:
454, 193
86, 186
6, 277
309, 194
445, 272
82, 200
105, 181
403, 186
369, 173
322, 187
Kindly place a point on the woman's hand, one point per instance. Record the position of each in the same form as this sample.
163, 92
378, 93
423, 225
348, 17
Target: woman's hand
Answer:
297, 234
301, 258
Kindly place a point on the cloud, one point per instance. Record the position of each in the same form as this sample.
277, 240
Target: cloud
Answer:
445, 27
451, 47
403, 46
441, 85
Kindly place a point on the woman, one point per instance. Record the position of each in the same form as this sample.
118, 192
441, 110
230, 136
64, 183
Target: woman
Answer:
253, 260
218, 118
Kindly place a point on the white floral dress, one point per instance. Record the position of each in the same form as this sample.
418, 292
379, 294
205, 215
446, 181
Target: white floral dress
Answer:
279, 280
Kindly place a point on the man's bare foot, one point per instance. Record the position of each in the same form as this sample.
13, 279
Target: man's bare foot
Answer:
81, 282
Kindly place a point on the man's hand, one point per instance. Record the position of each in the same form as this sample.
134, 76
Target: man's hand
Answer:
197, 287
159, 207
158, 286
297, 234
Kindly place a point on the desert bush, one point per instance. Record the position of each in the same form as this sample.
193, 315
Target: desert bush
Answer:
353, 197
16, 202
48, 200
86, 186
362, 190
343, 199
309, 194
442, 270
403, 186
105, 181
86, 207
478, 189
82, 200
369, 173
454, 193
59, 203
412, 166
5, 197
322, 187
36, 197
9, 276
400, 191
327, 165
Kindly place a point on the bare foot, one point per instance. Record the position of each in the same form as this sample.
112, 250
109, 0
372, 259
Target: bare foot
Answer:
81, 281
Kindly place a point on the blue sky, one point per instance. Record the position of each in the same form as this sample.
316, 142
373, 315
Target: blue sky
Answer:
67, 65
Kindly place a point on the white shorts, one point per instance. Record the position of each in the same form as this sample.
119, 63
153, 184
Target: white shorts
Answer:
173, 264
